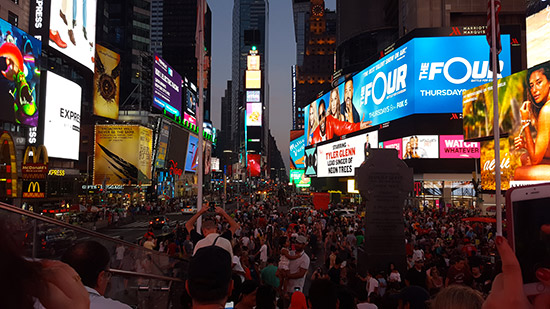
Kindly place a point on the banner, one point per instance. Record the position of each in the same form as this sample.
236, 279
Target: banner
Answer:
253, 166
162, 147
190, 161
454, 147
299, 179
509, 162
297, 147
339, 159
123, 155
253, 114
395, 144
523, 106
20, 78
167, 88
420, 147
106, 82
419, 77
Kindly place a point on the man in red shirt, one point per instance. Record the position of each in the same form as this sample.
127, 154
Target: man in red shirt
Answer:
330, 127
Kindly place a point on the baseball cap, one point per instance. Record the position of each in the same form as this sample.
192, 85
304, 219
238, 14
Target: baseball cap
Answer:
209, 269
301, 239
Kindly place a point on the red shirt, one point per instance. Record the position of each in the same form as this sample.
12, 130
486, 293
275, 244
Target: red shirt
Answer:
334, 127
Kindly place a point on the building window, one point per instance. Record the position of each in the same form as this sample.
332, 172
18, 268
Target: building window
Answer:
13, 18
15, 1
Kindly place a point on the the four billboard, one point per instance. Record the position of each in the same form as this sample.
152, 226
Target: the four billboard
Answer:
419, 77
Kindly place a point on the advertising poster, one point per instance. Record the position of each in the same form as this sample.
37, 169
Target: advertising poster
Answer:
162, 147
418, 77
167, 87
254, 114
72, 29
190, 161
339, 159
122, 155
420, 147
454, 147
395, 144
254, 165
191, 103
311, 161
297, 148
253, 79
299, 179
62, 117
177, 147
207, 158
20, 78
106, 83
509, 161
253, 96
538, 30
215, 164
523, 108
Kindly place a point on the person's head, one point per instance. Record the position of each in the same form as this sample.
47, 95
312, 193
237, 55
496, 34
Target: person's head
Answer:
538, 81
248, 293
322, 116
298, 301
300, 244
338, 262
334, 103
266, 297
348, 93
209, 277
408, 147
313, 116
90, 260
418, 264
476, 270
208, 227
414, 140
457, 297
459, 262
322, 294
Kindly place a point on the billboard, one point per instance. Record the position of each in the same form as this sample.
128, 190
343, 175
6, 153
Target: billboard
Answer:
215, 162
509, 162
311, 161
297, 147
419, 77
162, 147
62, 117
339, 159
253, 96
20, 78
395, 144
454, 147
253, 79
522, 108
167, 87
122, 155
191, 103
253, 114
299, 179
72, 29
106, 82
253, 62
177, 146
537, 30
254, 165
420, 146
190, 161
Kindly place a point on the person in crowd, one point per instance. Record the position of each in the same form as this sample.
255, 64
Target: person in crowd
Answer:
322, 295
266, 297
91, 260
435, 281
417, 275
247, 299
209, 281
459, 272
209, 231
457, 297
372, 284
298, 301
298, 267
149, 243
269, 274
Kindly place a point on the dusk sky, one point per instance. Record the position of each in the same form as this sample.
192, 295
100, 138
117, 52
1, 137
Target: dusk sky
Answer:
282, 55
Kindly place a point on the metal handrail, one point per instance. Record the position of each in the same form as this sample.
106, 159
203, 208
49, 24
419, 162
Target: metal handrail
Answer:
17, 210
121, 272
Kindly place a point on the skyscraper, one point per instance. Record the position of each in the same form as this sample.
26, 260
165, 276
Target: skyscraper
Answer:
315, 30
250, 20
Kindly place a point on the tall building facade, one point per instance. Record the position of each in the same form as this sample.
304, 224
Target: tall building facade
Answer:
250, 33
16, 13
315, 30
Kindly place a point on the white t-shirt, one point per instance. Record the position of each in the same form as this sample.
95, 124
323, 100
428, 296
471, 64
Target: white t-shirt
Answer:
245, 241
222, 242
366, 306
371, 285
238, 267
295, 265
263, 253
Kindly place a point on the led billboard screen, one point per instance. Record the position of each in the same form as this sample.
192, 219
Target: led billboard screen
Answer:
254, 165
454, 147
253, 62
162, 147
215, 162
122, 155
509, 163
339, 159
420, 147
20, 78
72, 29
522, 104
253, 79
191, 102
297, 147
106, 82
254, 114
299, 179
418, 77
253, 96
190, 161
538, 30
395, 144
177, 147
62, 117
167, 87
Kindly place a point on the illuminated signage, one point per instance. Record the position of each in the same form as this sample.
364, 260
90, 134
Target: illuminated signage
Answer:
420, 147
253, 96
215, 164
299, 179
253, 79
8, 166
253, 114
351, 186
34, 189
509, 161
454, 146
167, 87
419, 77
56, 172
253, 62
297, 147
174, 170
33, 168
339, 159
394, 144
537, 31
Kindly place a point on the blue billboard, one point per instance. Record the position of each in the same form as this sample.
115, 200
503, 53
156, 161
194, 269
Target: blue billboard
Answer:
297, 155
191, 159
423, 76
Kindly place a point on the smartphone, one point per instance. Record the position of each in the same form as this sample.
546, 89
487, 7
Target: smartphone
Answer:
229, 305
528, 214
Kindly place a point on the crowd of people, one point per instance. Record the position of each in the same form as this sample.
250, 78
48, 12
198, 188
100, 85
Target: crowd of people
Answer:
261, 257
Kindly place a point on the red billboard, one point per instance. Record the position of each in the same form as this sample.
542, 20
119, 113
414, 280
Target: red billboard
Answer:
254, 169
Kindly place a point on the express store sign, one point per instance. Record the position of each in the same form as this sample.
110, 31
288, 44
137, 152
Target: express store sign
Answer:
339, 159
